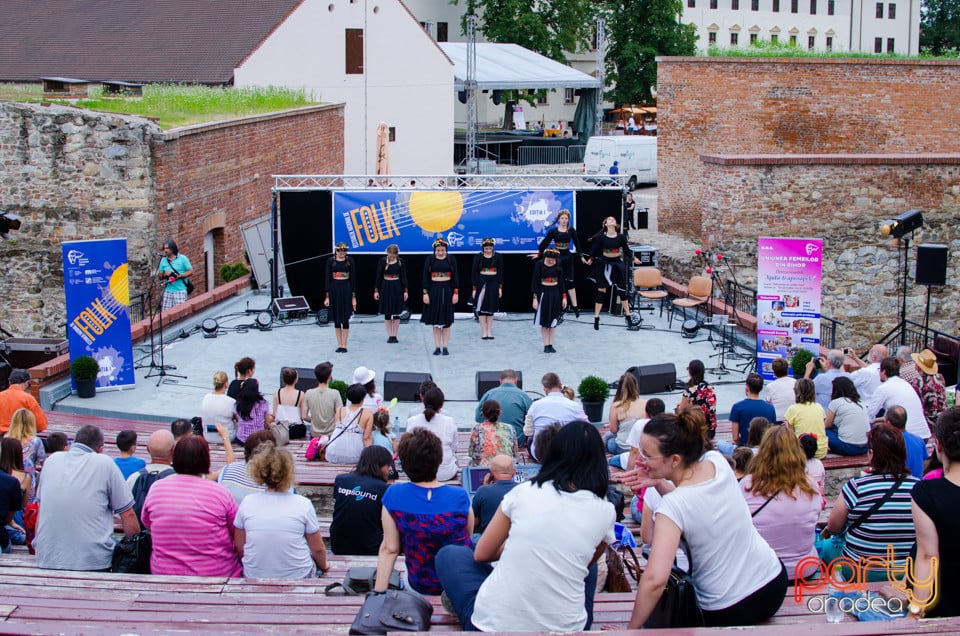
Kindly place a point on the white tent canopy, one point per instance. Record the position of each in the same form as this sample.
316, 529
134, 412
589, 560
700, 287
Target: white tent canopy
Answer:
512, 67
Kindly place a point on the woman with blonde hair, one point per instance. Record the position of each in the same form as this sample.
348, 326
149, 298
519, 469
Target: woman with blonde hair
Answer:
217, 408
277, 532
784, 501
23, 427
626, 409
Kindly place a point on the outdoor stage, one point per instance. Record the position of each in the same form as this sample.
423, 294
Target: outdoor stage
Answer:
581, 351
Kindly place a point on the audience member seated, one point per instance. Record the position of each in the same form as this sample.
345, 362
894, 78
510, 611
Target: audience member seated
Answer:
289, 406
779, 393
127, 462
935, 504
372, 400
235, 476
553, 407
892, 523
17, 396
514, 403
11, 502
744, 585
930, 386
867, 377
217, 408
626, 410
651, 408
847, 423
322, 402
784, 501
491, 437
243, 370
815, 467
742, 458
831, 366
487, 498
191, 517
545, 537
277, 533
894, 390
358, 504
700, 394
381, 433
745, 410
896, 416
421, 516
80, 491
56, 442
353, 430
443, 427
23, 427
160, 448
252, 411
11, 463
807, 416
755, 430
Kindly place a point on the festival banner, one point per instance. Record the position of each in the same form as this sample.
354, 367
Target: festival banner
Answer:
370, 220
98, 307
789, 279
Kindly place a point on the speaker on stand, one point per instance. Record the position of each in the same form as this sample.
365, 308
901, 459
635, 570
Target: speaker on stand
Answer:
931, 270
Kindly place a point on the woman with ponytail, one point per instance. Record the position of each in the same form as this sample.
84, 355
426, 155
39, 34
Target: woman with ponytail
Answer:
443, 427
737, 577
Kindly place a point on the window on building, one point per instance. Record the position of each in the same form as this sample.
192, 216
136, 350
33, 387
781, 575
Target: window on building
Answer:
891, 48
754, 5
753, 38
691, 4
813, 7
425, 26
878, 45
354, 51
794, 6
831, 7
879, 11
734, 39
713, 4
568, 95
829, 42
776, 6
712, 38
774, 38
593, 41
793, 40
542, 98
811, 42
891, 11
442, 31
392, 133
735, 5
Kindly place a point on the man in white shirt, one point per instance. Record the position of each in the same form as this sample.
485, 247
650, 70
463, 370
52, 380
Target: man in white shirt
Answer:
552, 407
895, 391
779, 393
867, 377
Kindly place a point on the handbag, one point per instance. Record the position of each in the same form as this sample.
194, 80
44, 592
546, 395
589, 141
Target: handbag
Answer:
617, 580
360, 580
830, 548
677, 606
322, 454
131, 555
290, 417
186, 281
281, 433
392, 611
297, 431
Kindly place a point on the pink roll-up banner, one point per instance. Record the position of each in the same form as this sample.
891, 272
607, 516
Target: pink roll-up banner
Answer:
789, 283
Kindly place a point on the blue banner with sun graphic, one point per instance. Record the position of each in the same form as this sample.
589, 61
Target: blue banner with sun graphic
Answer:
370, 220
98, 307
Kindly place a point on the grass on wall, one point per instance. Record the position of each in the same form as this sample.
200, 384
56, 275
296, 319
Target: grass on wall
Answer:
766, 48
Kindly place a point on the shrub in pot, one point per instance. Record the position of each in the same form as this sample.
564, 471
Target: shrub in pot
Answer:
798, 363
593, 392
85, 370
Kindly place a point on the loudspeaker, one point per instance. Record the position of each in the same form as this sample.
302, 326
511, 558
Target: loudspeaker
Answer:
655, 378
931, 264
487, 380
306, 380
403, 385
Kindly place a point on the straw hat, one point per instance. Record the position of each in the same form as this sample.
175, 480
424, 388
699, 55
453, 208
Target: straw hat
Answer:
926, 361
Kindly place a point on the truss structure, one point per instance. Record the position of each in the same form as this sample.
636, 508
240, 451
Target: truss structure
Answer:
448, 182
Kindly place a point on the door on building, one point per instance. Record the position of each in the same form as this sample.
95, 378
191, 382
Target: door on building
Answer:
208, 261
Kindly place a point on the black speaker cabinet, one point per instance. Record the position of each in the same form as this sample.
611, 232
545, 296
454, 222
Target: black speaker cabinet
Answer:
306, 379
487, 380
403, 385
931, 264
655, 378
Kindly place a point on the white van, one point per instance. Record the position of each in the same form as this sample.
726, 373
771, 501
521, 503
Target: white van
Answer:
636, 154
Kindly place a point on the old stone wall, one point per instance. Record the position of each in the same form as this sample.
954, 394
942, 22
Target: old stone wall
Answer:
842, 199
712, 106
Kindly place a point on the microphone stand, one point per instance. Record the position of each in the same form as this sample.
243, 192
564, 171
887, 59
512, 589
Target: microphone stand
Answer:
158, 370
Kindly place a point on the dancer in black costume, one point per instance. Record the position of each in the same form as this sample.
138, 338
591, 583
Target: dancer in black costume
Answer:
391, 290
440, 283
487, 273
609, 255
341, 297
549, 296
562, 236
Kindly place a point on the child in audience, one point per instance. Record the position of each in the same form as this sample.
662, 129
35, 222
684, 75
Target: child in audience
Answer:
808, 442
55, 443
127, 463
382, 436
742, 456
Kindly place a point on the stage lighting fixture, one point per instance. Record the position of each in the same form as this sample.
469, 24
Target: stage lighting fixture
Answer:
635, 319
209, 327
8, 223
902, 224
264, 320
404, 315
323, 317
690, 328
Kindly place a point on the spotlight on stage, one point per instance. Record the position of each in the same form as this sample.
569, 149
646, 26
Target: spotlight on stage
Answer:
8, 223
902, 224
635, 320
690, 328
404, 315
209, 327
323, 317
264, 320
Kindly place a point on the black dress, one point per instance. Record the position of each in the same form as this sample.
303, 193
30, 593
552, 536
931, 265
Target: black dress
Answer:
391, 284
487, 280
548, 287
440, 280
562, 241
341, 284
628, 214
610, 258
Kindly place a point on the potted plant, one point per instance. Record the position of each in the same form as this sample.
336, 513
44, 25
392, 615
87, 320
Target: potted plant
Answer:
341, 386
593, 391
85, 370
798, 363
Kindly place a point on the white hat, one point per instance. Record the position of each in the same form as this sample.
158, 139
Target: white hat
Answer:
362, 375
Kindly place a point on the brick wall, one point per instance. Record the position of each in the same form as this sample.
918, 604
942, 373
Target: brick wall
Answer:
842, 199
783, 106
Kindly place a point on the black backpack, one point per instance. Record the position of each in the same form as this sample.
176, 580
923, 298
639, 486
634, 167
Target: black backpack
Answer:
142, 486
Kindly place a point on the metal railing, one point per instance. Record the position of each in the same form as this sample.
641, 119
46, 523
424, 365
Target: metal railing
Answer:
446, 182
137, 307
828, 331
913, 334
744, 299
550, 154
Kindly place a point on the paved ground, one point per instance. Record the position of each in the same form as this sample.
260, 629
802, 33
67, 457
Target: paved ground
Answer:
581, 351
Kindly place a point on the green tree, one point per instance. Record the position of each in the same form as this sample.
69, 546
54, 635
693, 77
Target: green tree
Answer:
940, 26
638, 31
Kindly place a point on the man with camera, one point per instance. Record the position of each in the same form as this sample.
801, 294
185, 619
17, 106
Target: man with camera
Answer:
867, 377
828, 367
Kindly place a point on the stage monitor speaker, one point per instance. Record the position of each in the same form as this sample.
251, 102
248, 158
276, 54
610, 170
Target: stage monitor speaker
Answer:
931, 264
293, 307
306, 379
403, 385
487, 380
655, 378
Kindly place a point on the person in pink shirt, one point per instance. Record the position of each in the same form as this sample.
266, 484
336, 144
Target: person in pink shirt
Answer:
191, 517
784, 501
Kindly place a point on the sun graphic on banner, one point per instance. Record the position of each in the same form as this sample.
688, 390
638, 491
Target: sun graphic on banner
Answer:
119, 287
436, 211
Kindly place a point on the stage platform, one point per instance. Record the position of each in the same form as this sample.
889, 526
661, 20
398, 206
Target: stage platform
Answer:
581, 351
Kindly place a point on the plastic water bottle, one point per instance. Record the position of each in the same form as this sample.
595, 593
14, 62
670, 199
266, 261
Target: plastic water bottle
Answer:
396, 425
831, 604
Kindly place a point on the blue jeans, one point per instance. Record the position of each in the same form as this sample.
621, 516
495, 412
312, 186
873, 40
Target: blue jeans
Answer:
838, 446
726, 448
610, 443
461, 577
